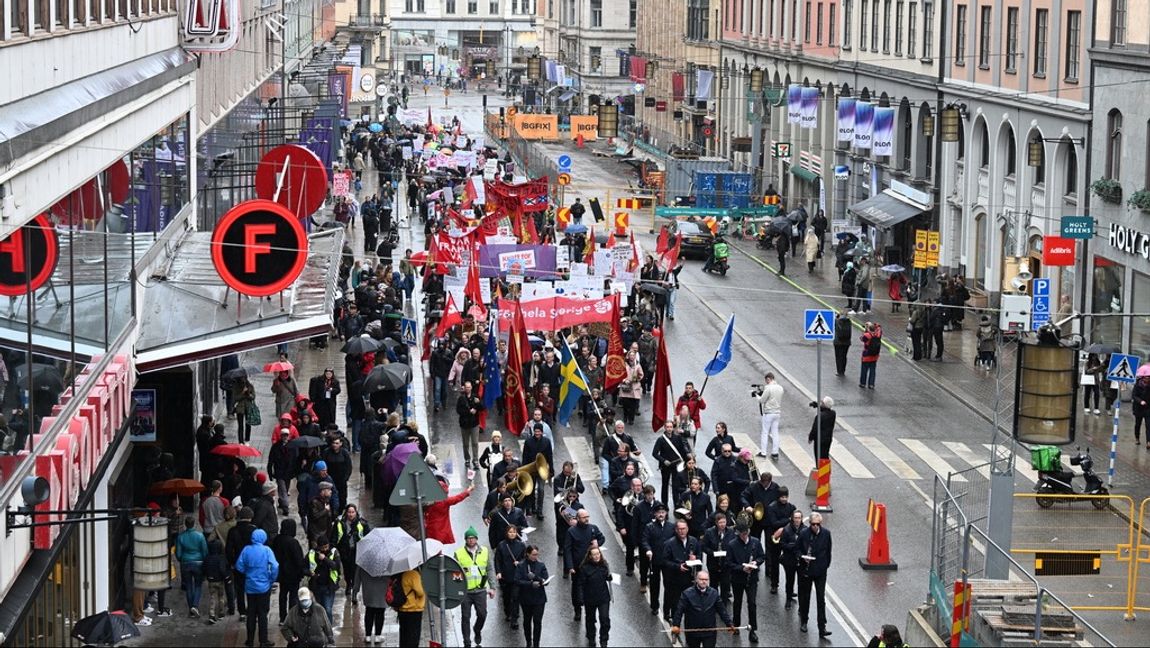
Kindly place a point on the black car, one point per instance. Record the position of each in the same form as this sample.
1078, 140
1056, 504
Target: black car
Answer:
697, 238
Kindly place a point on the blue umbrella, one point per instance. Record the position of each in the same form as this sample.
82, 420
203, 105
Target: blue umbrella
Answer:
576, 228
375, 127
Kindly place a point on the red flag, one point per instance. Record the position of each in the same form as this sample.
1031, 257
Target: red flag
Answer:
451, 317
635, 256
661, 398
589, 248
530, 234
614, 364
426, 355
670, 257
661, 242
610, 240
472, 290
515, 398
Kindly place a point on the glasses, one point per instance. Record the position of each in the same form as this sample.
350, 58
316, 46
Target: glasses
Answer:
726, 452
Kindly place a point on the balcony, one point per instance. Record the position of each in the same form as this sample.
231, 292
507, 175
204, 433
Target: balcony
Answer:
371, 22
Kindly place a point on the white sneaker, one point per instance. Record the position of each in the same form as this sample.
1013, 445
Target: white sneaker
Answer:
851, 312
146, 621
1097, 411
149, 609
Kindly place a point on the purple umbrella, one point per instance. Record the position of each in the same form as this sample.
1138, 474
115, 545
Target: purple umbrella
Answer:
395, 460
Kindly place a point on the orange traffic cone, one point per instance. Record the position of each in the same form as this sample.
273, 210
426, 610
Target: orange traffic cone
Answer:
878, 547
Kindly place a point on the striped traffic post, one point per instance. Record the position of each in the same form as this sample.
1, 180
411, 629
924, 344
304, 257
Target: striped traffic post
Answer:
823, 488
959, 613
1114, 440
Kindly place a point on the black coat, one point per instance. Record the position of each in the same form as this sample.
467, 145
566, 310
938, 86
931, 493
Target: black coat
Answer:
596, 582
533, 447
714, 449
823, 432
655, 537
508, 555
265, 516
740, 553
676, 553
778, 515
463, 407
713, 542
701, 509
579, 539
501, 519
790, 543
697, 609
670, 452
530, 576
817, 545
289, 553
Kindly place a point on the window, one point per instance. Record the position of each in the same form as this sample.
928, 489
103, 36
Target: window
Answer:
1146, 180
795, 21
450, 7
831, 26
874, 26
697, 23
885, 26
984, 40
862, 25
493, 7
1011, 39
984, 149
847, 17
960, 36
1117, 22
1011, 155
1071, 179
927, 30
596, 56
807, 23
911, 29
472, 6
1041, 18
819, 26
898, 11
1073, 43
1040, 170
633, 15
596, 13
771, 17
1114, 144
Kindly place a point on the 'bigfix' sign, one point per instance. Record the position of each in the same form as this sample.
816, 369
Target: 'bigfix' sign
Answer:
538, 127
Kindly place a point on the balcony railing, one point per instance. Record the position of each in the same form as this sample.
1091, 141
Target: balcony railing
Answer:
372, 20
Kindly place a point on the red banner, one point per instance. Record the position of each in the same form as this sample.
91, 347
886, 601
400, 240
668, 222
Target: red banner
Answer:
451, 250
554, 313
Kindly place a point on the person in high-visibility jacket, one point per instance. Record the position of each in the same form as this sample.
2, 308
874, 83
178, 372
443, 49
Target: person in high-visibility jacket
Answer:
349, 530
323, 570
888, 637
475, 561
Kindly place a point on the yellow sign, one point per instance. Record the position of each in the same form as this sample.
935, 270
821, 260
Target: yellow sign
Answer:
585, 125
920, 237
622, 220
932, 247
627, 203
920, 259
564, 179
537, 127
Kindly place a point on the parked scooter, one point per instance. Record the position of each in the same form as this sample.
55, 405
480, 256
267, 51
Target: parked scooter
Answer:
1061, 482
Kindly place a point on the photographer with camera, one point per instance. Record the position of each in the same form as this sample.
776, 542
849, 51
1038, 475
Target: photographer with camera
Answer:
770, 397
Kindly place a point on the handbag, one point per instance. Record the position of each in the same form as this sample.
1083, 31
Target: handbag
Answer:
253, 414
1086, 379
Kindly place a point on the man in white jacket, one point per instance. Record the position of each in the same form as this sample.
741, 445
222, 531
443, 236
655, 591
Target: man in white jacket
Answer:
770, 396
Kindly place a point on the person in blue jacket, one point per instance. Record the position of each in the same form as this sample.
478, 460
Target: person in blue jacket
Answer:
260, 569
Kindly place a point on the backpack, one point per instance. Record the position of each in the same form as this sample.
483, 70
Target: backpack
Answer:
873, 345
396, 596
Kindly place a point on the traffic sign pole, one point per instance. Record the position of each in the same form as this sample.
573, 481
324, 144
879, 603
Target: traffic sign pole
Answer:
1114, 440
1123, 369
818, 325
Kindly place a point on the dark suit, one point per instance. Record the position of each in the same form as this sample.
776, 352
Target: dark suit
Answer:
738, 554
670, 452
822, 433
655, 535
500, 520
813, 572
697, 608
788, 545
677, 575
756, 493
713, 542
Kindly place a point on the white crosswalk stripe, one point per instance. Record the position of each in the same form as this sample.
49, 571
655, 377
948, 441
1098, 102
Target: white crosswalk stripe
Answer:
967, 455
931, 458
884, 454
744, 440
1021, 467
797, 453
849, 463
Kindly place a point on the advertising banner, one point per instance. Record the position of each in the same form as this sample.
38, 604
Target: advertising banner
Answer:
883, 136
497, 259
864, 123
554, 313
537, 127
794, 103
846, 119
585, 125
810, 108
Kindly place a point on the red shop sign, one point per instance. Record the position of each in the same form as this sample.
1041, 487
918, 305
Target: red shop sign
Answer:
28, 257
259, 248
1057, 251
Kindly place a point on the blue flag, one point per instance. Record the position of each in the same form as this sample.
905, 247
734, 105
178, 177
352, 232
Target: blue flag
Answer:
723, 354
492, 372
573, 386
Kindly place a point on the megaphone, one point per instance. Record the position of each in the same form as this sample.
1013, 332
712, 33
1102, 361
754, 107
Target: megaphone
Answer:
1023, 277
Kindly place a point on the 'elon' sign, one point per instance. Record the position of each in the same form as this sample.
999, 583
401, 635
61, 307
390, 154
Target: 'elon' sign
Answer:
1130, 240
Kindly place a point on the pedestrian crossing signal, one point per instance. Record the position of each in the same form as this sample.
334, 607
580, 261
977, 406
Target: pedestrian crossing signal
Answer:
1123, 368
819, 325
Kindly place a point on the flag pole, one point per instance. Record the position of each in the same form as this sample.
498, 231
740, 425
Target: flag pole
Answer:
584, 377
708, 376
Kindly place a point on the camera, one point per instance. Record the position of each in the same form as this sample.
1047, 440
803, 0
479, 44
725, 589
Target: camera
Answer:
756, 390
814, 404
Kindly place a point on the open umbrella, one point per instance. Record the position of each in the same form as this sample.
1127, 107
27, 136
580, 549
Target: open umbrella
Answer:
182, 487
241, 373
105, 628
893, 267
44, 376
1103, 348
278, 366
306, 442
395, 375
235, 450
360, 345
576, 228
780, 225
395, 460
653, 288
386, 551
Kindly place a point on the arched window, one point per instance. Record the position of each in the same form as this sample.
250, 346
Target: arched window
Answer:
984, 154
1114, 144
1070, 187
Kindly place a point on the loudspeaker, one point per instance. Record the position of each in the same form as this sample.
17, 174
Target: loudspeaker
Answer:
34, 490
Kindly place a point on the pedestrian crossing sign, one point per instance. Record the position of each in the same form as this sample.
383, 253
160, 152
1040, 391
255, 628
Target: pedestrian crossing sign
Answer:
819, 324
408, 330
1123, 368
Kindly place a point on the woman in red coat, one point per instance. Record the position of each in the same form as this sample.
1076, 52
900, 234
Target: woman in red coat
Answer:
437, 517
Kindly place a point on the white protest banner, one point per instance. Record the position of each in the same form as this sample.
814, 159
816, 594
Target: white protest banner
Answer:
464, 159
562, 257
578, 269
604, 263
407, 152
490, 168
522, 259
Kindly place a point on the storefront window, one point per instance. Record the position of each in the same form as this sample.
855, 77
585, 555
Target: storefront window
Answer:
1108, 298
60, 601
159, 182
1140, 326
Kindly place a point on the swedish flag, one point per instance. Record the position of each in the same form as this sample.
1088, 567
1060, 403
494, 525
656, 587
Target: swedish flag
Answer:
573, 386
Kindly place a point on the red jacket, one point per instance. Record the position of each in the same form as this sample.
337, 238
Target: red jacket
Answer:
437, 517
694, 405
866, 338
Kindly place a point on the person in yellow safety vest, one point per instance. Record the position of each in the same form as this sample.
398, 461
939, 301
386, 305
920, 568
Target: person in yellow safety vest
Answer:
323, 569
475, 561
349, 530
888, 637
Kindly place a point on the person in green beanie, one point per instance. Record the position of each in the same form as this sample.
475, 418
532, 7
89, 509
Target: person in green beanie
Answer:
475, 561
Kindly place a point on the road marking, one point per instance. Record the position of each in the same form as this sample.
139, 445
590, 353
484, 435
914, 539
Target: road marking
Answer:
743, 440
964, 453
797, 453
579, 448
1021, 467
931, 458
888, 457
849, 462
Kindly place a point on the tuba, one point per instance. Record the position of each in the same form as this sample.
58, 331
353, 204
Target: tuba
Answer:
524, 483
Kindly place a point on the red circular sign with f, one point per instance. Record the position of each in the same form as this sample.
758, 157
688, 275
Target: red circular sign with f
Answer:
259, 248
28, 257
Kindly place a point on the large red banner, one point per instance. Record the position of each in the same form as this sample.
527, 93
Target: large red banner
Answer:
554, 313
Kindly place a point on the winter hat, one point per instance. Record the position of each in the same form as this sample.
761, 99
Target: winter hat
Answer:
326, 486
262, 477
471, 533
269, 488
320, 465
304, 594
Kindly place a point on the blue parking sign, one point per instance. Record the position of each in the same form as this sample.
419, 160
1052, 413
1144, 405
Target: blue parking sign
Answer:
1039, 303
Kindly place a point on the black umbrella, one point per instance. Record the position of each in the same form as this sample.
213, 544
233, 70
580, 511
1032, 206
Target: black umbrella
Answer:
105, 628
360, 345
44, 376
1103, 348
780, 225
653, 288
391, 343
241, 373
306, 442
394, 375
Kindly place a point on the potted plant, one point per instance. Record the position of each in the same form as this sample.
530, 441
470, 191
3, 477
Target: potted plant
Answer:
1108, 189
1140, 199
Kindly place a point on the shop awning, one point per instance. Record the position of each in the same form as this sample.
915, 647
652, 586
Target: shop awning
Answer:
189, 315
887, 209
803, 174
